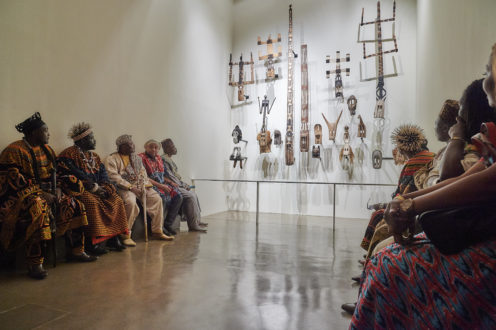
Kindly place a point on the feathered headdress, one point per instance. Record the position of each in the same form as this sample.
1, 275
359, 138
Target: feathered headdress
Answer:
79, 131
409, 138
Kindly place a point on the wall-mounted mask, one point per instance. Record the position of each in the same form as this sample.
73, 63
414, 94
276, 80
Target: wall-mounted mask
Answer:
352, 104
318, 133
316, 151
277, 137
237, 135
332, 127
362, 130
379, 109
377, 159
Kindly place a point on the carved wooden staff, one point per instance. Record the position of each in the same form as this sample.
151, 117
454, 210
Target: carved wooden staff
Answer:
304, 133
289, 154
142, 187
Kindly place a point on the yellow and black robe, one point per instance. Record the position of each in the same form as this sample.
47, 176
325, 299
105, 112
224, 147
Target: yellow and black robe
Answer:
25, 172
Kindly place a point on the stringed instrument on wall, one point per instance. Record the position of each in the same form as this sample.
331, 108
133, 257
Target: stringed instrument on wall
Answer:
289, 151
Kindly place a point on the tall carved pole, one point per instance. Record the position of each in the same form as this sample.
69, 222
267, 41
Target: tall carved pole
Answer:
289, 127
304, 134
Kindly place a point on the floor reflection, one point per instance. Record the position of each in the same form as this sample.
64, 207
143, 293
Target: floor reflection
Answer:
293, 274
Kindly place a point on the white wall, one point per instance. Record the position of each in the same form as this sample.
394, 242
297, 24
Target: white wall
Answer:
454, 40
326, 26
151, 68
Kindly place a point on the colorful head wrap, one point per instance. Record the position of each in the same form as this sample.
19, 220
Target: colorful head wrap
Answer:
487, 135
29, 125
126, 138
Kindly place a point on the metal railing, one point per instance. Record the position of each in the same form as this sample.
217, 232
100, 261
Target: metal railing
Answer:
334, 184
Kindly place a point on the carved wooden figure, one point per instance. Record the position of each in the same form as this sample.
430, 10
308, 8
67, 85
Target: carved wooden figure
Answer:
263, 137
346, 155
338, 82
332, 127
241, 76
270, 56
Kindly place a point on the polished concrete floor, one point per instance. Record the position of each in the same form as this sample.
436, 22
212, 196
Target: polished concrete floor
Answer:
291, 273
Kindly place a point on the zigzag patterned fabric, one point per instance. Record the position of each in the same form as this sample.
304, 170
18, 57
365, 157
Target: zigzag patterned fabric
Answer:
417, 287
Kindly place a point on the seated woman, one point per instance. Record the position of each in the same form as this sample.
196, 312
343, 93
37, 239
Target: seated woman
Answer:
429, 175
404, 286
412, 144
106, 213
171, 198
460, 155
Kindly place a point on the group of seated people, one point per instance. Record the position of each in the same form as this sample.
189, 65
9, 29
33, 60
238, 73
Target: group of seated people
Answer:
94, 203
431, 251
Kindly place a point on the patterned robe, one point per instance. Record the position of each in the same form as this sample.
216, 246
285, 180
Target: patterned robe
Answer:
156, 171
417, 287
25, 172
106, 216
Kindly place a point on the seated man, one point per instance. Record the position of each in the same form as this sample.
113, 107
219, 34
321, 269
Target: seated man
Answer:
105, 209
126, 170
29, 200
172, 199
191, 205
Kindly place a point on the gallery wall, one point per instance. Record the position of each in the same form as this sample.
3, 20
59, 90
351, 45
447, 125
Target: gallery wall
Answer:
158, 69
149, 68
454, 41
325, 26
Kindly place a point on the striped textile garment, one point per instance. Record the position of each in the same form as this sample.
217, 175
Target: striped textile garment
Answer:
106, 216
406, 184
24, 170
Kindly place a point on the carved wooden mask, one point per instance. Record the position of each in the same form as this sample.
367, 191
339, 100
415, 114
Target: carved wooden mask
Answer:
352, 104
318, 133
